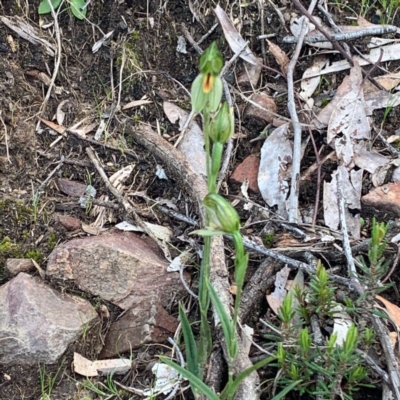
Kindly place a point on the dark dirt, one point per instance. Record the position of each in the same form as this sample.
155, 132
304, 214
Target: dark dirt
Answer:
153, 69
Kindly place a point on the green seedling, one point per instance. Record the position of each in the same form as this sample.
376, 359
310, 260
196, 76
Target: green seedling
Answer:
77, 7
47, 381
322, 293
35, 202
375, 266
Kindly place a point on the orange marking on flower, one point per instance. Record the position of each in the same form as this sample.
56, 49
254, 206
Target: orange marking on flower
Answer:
208, 82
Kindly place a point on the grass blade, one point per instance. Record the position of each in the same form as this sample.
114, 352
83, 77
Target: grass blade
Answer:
226, 322
285, 391
190, 343
194, 380
230, 390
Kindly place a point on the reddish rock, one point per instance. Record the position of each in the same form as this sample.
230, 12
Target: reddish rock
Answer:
264, 115
37, 323
68, 222
124, 269
248, 169
71, 188
16, 265
146, 322
385, 198
119, 267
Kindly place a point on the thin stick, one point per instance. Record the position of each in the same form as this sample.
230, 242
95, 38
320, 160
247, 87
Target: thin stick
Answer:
57, 63
296, 159
46, 181
345, 236
125, 203
123, 60
335, 44
5, 138
395, 263
318, 162
262, 23
190, 39
206, 35
343, 36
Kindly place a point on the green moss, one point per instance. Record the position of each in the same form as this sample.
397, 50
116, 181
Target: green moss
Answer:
35, 255
268, 239
52, 241
324, 103
7, 247
132, 65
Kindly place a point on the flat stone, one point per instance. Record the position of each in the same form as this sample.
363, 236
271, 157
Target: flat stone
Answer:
384, 198
16, 265
248, 169
68, 222
37, 323
119, 267
264, 101
71, 188
146, 322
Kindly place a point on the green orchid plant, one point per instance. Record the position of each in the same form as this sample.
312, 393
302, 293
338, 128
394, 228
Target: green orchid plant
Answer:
221, 219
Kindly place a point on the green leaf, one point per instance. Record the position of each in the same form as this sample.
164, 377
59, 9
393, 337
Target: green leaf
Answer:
194, 380
226, 322
230, 390
76, 8
207, 232
380, 314
205, 343
190, 343
285, 391
44, 6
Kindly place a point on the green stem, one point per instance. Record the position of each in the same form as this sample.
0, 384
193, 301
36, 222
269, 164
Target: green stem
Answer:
207, 141
216, 158
241, 262
205, 344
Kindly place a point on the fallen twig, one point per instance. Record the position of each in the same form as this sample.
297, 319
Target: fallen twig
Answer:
56, 64
335, 44
125, 203
296, 159
383, 30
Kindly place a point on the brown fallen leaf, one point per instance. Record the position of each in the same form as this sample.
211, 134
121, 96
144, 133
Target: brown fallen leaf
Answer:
392, 309
58, 128
235, 41
280, 56
136, 103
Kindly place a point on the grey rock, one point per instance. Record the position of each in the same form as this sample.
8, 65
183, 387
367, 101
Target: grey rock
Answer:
37, 323
16, 265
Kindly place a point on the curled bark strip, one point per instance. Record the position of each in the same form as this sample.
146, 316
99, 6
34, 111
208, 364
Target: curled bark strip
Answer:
196, 188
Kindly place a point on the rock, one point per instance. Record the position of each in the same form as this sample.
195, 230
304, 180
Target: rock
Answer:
267, 103
69, 223
16, 265
37, 323
146, 322
250, 76
119, 267
71, 188
248, 169
384, 198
